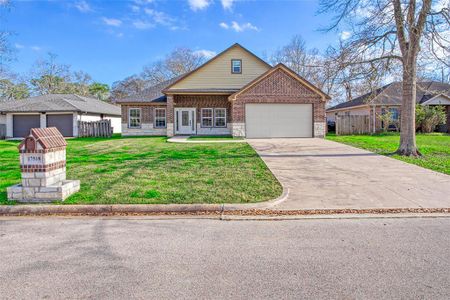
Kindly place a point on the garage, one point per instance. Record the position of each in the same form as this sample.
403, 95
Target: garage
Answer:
64, 123
23, 123
278, 120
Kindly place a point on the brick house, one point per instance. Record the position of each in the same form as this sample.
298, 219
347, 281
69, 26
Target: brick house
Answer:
235, 93
389, 98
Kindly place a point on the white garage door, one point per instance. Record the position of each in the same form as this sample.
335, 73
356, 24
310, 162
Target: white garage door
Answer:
278, 120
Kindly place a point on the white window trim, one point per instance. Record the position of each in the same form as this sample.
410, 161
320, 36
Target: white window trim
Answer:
224, 117
165, 118
202, 117
232, 66
129, 117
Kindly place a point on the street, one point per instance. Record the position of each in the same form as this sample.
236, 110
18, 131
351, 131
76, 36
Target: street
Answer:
144, 257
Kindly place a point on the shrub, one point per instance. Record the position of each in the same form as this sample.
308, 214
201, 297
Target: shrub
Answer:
428, 117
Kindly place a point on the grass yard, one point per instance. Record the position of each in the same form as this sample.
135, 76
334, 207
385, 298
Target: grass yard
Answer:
150, 170
435, 148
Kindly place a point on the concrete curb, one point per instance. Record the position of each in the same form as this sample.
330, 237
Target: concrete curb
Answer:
130, 209
225, 212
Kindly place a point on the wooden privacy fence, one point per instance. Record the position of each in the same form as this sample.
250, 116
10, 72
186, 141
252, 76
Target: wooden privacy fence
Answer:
352, 125
101, 128
2, 131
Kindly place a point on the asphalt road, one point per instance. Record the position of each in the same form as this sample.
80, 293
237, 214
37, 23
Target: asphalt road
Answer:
60, 258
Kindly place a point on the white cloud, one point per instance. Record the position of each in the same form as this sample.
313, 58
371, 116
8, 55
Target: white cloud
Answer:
143, 25
159, 17
345, 35
239, 27
19, 46
36, 48
227, 4
135, 8
112, 22
199, 4
440, 5
205, 53
83, 6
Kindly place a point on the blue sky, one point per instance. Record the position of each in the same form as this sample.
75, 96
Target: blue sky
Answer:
114, 39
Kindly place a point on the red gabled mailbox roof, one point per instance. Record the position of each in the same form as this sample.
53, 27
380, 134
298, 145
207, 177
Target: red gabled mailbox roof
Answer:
48, 138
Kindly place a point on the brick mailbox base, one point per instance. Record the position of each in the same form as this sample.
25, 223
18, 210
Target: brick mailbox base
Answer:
43, 168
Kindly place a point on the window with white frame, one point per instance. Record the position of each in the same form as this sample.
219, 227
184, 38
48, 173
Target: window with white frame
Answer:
220, 117
160, 117
134, 118
207, 117
236, 66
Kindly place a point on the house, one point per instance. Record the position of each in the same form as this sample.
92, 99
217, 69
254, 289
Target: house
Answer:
55, 110
389, 98
235, 93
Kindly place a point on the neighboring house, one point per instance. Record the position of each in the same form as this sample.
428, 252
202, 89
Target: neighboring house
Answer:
389, 98
57, 110
235, 93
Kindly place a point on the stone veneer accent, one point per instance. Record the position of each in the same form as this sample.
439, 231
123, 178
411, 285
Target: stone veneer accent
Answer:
238, 129
170, 131
43, 168
146, 129
279, 87
319, 129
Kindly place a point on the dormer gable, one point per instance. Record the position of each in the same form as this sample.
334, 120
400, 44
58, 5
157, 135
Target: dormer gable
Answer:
228, 71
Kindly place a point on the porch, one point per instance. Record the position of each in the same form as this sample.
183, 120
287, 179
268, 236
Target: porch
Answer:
198, 115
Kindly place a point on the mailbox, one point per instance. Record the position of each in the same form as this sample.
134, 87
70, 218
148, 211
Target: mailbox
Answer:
43, 168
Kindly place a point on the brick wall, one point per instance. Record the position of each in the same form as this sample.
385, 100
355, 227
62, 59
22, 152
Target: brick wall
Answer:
203, 101
279, 87
147, 112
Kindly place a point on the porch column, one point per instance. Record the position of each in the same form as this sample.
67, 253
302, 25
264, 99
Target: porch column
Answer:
169, 112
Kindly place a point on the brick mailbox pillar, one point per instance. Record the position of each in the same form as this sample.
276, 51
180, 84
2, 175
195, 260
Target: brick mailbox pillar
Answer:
43, 168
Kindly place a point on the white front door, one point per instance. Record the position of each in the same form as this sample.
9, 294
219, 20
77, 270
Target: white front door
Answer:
185, 121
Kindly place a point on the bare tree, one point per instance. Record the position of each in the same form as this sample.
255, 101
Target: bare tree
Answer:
308, 63
178, 62
394, 32
129, 86
6, 51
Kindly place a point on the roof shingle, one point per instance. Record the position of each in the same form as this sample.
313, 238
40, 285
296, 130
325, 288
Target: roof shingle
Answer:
60, 103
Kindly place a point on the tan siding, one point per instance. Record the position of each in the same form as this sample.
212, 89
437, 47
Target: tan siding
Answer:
217, 73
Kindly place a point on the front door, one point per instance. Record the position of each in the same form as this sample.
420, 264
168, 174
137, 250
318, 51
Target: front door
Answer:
185, 121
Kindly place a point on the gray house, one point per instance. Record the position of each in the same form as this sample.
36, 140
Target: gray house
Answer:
62, 111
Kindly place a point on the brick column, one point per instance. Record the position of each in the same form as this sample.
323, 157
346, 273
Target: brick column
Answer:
169, 117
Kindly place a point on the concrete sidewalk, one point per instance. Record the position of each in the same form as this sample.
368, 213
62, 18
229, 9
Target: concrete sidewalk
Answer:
321, 174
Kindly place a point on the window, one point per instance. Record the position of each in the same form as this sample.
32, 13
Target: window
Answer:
220, 117
394, 112
160, 117
207, 117
134, 118
236, 66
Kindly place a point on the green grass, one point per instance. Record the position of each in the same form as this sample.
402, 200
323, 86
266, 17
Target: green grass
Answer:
214, 137
150, 170
435, 148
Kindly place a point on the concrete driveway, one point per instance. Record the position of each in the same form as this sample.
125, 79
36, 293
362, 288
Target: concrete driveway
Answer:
323, 174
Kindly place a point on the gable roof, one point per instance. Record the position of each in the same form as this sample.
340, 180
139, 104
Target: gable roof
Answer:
48, 138
391, 94
167, 89
152, 94
290, 72
60, 103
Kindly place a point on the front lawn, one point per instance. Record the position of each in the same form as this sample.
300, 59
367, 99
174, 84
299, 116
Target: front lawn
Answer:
150, 170
435, 148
